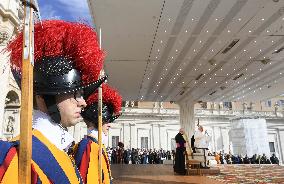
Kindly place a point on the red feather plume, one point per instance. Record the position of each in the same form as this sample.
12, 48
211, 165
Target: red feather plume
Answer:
110, 96
73, 40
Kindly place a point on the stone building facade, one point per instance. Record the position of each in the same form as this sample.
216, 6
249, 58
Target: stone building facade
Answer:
11, 15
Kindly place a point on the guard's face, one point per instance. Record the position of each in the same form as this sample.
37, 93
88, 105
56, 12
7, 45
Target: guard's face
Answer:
70, 106
105, 128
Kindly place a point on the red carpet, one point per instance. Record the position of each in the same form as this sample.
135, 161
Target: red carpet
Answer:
250, 174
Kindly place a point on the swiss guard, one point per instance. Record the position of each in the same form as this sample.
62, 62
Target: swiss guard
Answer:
86, 154
67, 57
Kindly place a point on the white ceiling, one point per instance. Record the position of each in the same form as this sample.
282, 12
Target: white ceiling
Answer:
157, 48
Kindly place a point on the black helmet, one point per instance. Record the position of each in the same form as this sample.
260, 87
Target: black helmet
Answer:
90, 113
56, 75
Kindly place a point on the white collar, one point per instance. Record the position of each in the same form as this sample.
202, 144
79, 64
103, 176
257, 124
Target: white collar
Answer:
51, 130
94, 133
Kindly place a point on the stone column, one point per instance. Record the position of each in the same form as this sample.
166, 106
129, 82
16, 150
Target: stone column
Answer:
159, 136
280, 134
187, 117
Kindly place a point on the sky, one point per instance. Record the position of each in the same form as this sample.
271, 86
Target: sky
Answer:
71, 10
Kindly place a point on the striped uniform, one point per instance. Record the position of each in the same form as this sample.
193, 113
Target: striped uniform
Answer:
86, 159
49, 164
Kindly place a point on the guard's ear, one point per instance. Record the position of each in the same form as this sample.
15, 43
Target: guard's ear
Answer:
39, 103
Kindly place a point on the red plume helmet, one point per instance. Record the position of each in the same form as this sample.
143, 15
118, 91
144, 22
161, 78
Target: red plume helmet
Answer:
112, 102
75, 41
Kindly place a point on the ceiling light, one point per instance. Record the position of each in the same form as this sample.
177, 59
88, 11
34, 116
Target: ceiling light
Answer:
221, 69
260, 50
235, 57
233, 96
176, 50
245, 50
183, 82
180, 69
194, 50
166, 69
165, 31
158, 50
171, 82
161, 41
234, 69
229, 31
154, 91
249, 88
209, 69
267, 31
195, 69
272, 41
250, 57
262, 19
156, 57
200, 41
192, 19
169, 20
249, 31
186, 31
280, 73
207, 31
212, 50
174, 78
246, 69
157, 85
210, 78
159, 82
245, 78
226, 82
148, 78
227, 74
195, 82
216, 82
239, 19
172, 57
215, 74
254, 41
205, 82
254, 91
216, 19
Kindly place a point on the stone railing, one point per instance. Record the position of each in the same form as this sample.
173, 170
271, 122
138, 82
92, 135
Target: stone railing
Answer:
204, 112
238, 113
155, 111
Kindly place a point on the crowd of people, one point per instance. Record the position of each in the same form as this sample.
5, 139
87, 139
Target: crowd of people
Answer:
224, 158
138, 156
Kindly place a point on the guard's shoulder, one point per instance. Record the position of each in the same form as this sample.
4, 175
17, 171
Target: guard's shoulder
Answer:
5, 147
